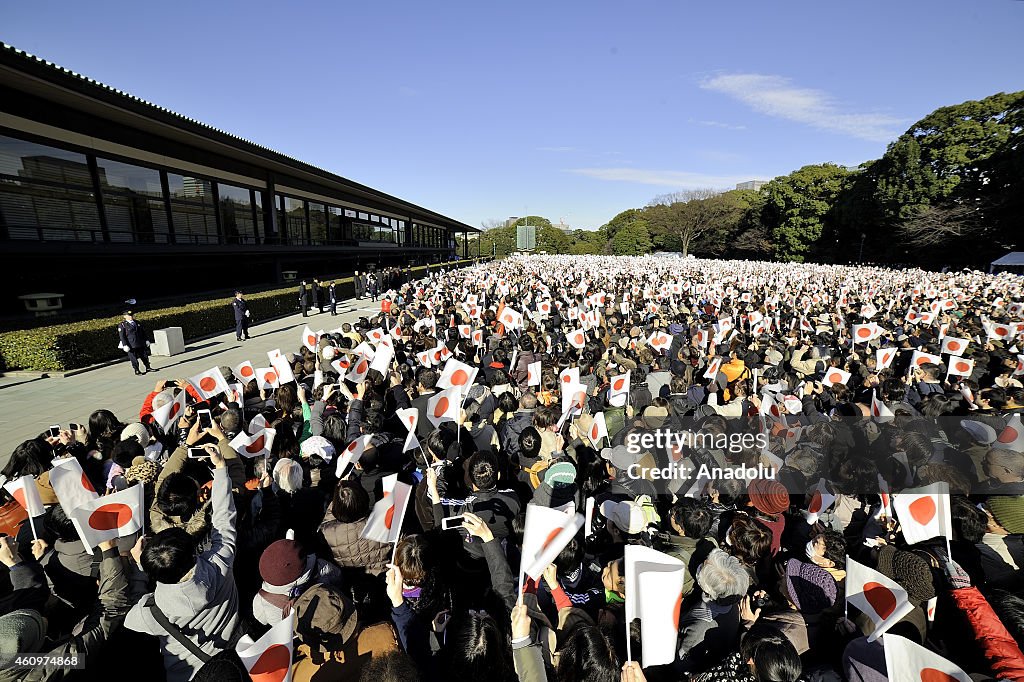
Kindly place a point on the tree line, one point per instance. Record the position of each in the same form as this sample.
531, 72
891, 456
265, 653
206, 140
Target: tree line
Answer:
948, 192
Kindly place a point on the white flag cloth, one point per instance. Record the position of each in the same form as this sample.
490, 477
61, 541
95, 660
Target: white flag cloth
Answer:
258, 444
862, 333
821, 498
906, 661
357, 372
376, 335
1011, 437
269, 659
267, 377
577, 339
533, 374
954, 346
880, 598
618, 391
25, 492
920, 357
70, 484
283, 369
385, 522
210, 383
654, 594
923, 513
880, 411
410, 417
165, 415
570, 375
834, 376
111, 516
457, 375
352, 452
961, 367
444, 406
659, 341
884, 358
545, 533
382, 359
712, 371
598, 429
309, 339
574, 396
511, 319
244, 372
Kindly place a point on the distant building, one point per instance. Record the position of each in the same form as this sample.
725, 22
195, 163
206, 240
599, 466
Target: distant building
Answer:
751, 184
511, 220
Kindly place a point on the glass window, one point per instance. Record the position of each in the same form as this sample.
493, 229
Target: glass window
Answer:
349, 213
46, 193
317, 223
336, 225
236, 214
363, 216
192, 210
124, 177
294, 223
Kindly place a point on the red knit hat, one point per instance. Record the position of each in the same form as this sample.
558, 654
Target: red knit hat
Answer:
282, 563
768, 495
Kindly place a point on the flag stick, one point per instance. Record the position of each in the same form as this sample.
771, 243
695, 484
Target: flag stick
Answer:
32, 526
629, 644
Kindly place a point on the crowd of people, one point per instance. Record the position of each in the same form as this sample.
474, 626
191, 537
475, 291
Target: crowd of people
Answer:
860, 382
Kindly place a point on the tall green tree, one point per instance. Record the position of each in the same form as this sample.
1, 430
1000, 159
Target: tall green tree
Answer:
798, 207
632, 240
699, 221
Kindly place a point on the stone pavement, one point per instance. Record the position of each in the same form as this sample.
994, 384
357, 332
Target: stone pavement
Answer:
30, 407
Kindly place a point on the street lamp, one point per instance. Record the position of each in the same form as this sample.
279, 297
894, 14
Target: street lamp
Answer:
860, 258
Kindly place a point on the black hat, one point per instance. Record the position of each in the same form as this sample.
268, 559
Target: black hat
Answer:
127, 311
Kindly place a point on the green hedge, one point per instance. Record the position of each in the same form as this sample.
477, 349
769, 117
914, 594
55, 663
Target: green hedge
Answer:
80, 344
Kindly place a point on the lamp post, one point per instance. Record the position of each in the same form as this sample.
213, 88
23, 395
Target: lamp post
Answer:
860, 257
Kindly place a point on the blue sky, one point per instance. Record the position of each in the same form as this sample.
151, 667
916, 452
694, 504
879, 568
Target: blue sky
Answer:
573, 110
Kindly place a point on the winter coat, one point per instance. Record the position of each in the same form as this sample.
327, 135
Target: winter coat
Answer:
997, 645
351, 551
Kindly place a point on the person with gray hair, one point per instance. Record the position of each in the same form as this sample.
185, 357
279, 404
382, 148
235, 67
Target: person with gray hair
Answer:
1005, 471
710, 629
288, 475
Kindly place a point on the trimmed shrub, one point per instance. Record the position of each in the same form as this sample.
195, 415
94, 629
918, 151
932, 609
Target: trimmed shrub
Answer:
80, 344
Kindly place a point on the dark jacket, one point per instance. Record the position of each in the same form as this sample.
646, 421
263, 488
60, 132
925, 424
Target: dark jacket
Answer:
239, 307
132, 334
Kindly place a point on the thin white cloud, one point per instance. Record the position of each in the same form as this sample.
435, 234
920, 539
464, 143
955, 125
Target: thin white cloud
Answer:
556, 149
662, 178
719, 124
778, 96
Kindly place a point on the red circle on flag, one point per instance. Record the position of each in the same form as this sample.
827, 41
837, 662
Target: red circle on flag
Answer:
885, 358
361, 367
593, 432
863, 332
412, 420
815, 505
87, 484
881, 598
441, 407
774, 410
19, 496
933, 675
619, 383
566, 379
310, 340
270, 377
459, 377
677, 609
1008, 435
256, 445
352, 446
207, 384
1001, 331
922, 509
835, 378
578, 338
246, 371
272, 665
111, 516
922, 360
550, 538
953, 345
962, 366
175, 409
389, 517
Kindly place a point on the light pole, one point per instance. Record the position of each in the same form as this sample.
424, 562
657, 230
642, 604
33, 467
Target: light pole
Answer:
860, 257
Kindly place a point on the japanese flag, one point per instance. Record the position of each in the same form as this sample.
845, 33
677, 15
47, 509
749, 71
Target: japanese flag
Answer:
570, 375
267, 377
376, 335
245, 372
341, 365
659, 341
884, 358
168, 413
511, 319
533, 374
258, 423
923, 513
573, 398
805, 326
309, 339
577, 339
995, 330
771, 411
713, 366
880, 411
444, 406
821, 498
868, 311
654, 594
72, 487
256, 445
834, 376
598, 429
385, 522
618, 391
878, 597
478, 337
1011, 437
352, 453
357, 372
544, 308
960, 367
465, 331
269, 659
1020, 366
906, 661
862, 333
210, 383
457, 375
410, 418
954, 346
382, 358
112, 516
546, 532
920, 357
283, 369
24, 491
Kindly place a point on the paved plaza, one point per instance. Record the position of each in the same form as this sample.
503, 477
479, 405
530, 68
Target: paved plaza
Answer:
29, 406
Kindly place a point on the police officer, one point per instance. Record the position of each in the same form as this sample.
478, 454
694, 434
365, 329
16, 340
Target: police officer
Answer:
357, 281
333, 294
132, 340
303, 298
242, 315
315, 288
